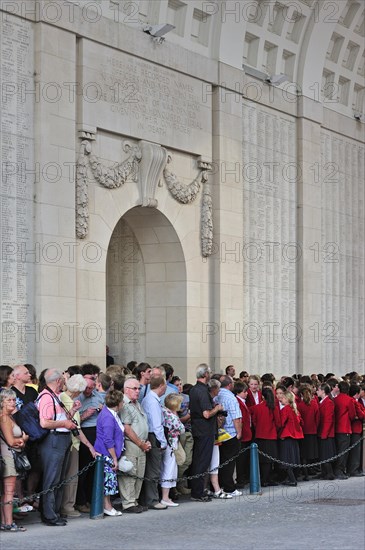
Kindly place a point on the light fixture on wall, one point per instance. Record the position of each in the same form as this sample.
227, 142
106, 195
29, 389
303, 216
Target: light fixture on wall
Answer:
251, 71
157, 32
360, 117
277, 79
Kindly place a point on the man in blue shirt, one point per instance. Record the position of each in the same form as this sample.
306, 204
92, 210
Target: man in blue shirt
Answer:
156, 436
233, 425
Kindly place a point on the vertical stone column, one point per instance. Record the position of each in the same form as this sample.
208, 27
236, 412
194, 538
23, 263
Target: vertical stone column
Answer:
226, 262
55, 308
309, 230
270, 251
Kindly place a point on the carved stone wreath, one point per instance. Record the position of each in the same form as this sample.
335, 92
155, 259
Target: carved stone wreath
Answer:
145, 164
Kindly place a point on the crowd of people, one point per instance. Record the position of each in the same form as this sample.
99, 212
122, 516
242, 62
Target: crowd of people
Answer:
177, 439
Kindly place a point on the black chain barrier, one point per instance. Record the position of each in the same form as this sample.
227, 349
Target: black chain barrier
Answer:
35, 496
185, 478
312, 464
196, 476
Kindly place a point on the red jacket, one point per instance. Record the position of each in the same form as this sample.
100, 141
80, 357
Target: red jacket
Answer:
326, 426
250, 400
246, 421
356, 424
290, 423
344, 413
310, 416
266, 421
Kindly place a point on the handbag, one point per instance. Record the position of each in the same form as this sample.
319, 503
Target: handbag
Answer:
21, 463
180, 455
125, 465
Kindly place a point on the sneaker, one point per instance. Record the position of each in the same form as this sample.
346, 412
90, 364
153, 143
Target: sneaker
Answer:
113, 512
235, 493
25, 508
169, 503
201, 499
221, 494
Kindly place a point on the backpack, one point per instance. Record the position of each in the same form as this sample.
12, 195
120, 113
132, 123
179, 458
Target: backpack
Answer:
27, 419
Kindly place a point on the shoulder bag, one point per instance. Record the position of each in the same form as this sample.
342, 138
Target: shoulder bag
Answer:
21, 461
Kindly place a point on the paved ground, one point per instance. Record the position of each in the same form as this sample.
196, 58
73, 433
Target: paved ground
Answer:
314, 515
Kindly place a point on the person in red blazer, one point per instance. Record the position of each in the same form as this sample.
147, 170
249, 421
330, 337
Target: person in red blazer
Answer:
354, 469
291, 432
279, 393
308, 408
326, 430
344, 414
243, 460
295, 391
254, 395
362, 394
266, 422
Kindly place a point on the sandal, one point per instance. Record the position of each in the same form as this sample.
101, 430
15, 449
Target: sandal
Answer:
13, 528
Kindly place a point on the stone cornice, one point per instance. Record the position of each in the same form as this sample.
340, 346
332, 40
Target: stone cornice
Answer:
122, 37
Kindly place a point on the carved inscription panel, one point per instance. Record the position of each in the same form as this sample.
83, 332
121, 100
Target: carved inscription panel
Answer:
133, 97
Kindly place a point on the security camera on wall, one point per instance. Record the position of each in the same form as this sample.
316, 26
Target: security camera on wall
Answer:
157, 32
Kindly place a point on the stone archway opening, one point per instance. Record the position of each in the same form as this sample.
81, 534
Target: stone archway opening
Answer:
146, 291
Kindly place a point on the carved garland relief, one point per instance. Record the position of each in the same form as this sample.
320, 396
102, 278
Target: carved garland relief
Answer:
146, 162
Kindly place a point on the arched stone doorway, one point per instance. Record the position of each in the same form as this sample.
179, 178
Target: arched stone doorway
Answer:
146, 290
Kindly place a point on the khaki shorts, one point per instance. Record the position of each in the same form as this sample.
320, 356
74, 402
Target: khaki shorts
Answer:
9, 468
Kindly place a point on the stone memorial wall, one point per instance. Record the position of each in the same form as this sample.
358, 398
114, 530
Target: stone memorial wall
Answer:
270, 251
18, 172
342, 252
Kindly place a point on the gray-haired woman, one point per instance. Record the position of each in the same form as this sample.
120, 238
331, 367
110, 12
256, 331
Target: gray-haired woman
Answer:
74, 386
11, 436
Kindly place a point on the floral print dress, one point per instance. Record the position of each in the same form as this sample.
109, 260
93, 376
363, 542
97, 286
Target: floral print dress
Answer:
174, 427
